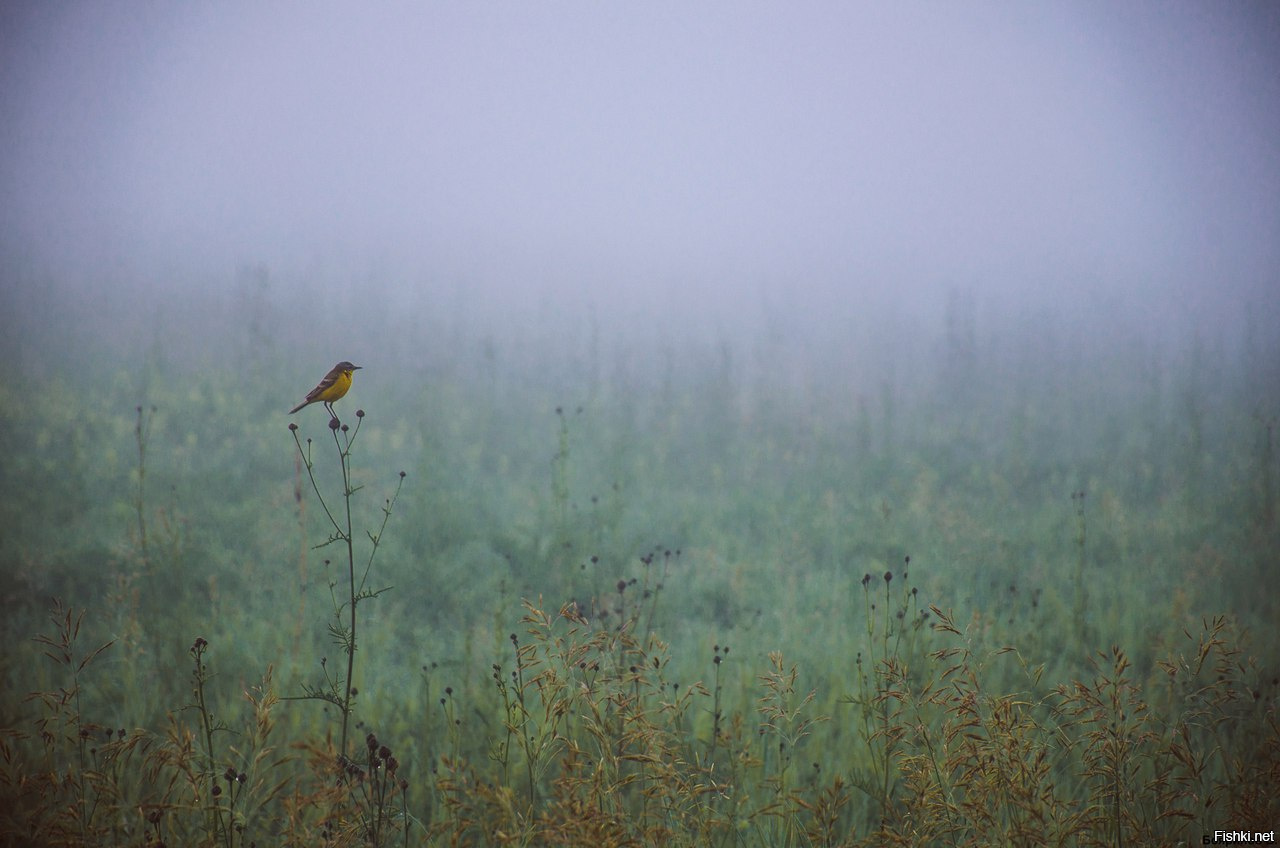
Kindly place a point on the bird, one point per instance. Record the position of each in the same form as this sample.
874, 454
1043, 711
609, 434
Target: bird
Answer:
334, 385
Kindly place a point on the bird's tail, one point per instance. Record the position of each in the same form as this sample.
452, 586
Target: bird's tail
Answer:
299, 406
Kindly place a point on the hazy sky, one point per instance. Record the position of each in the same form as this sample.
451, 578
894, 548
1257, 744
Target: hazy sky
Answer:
807, 150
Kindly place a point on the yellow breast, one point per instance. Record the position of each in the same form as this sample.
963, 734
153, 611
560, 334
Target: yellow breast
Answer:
338, 389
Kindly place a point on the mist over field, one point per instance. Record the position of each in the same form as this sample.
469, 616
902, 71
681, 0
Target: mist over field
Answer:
891, 338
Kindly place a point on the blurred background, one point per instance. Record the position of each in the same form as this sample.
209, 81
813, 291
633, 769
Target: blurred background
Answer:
810, 171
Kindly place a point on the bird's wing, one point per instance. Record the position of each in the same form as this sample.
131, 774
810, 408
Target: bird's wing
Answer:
325, 385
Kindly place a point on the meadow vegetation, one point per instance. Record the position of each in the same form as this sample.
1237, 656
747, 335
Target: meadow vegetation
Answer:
954, 585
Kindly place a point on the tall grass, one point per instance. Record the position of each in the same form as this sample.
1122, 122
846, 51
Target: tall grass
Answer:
935, 641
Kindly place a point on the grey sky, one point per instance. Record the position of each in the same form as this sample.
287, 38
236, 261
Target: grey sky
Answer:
818, 150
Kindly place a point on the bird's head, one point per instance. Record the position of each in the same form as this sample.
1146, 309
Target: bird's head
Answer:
347, 367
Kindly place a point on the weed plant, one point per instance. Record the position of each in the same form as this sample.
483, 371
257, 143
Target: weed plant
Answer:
339, 690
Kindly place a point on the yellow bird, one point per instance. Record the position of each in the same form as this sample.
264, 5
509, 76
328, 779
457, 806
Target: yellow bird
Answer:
334, 385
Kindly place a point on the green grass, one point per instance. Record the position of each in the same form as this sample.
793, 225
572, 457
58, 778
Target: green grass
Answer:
614, 603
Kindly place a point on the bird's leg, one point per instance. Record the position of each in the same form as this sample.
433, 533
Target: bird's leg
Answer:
329, 406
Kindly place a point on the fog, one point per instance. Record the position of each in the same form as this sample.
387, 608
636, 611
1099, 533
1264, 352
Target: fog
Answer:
718, 164
933, 346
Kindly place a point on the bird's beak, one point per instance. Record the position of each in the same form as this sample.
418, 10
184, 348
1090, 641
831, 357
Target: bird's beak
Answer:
356, 367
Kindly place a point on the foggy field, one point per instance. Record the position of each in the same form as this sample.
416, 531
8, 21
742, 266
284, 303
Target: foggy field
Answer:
806, 424
705, 502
